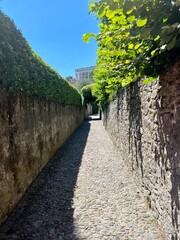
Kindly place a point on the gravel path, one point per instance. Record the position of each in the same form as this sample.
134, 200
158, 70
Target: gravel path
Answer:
84, 193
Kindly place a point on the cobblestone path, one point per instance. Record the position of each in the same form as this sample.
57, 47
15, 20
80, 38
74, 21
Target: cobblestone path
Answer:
84, 193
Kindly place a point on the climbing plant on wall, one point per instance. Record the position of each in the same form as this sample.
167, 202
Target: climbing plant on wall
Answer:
137, 39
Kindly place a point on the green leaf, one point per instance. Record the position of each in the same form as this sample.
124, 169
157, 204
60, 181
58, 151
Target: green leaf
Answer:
127, 61
149, 80
130, 46
141, 22
153, 53
87, 36
131, 18
157, 38
137, 46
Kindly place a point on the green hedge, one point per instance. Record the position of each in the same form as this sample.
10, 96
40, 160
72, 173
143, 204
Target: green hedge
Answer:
87, 94
23, 70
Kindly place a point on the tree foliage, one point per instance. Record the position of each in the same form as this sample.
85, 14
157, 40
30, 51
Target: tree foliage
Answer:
137, 39
22, 70
83, 82
70, 79
87, 94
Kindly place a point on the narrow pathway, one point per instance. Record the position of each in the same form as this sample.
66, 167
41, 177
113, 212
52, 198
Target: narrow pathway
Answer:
84, 193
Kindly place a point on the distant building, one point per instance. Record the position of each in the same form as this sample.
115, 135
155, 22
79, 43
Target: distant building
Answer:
71, 80
83, 73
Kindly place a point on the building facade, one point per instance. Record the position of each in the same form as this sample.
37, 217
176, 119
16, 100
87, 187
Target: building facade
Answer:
83, 73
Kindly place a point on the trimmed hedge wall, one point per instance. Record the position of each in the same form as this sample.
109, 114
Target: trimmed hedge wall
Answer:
22, 70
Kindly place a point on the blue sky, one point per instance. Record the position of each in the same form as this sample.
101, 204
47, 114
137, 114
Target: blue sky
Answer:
54, 30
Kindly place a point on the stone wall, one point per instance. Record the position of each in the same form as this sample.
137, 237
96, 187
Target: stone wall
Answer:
88, 110
144, 124
31, 131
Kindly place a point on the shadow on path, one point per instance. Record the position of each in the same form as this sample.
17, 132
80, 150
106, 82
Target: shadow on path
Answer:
45, 211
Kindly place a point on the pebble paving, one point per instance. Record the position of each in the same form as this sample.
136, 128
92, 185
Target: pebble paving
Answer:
85, 192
